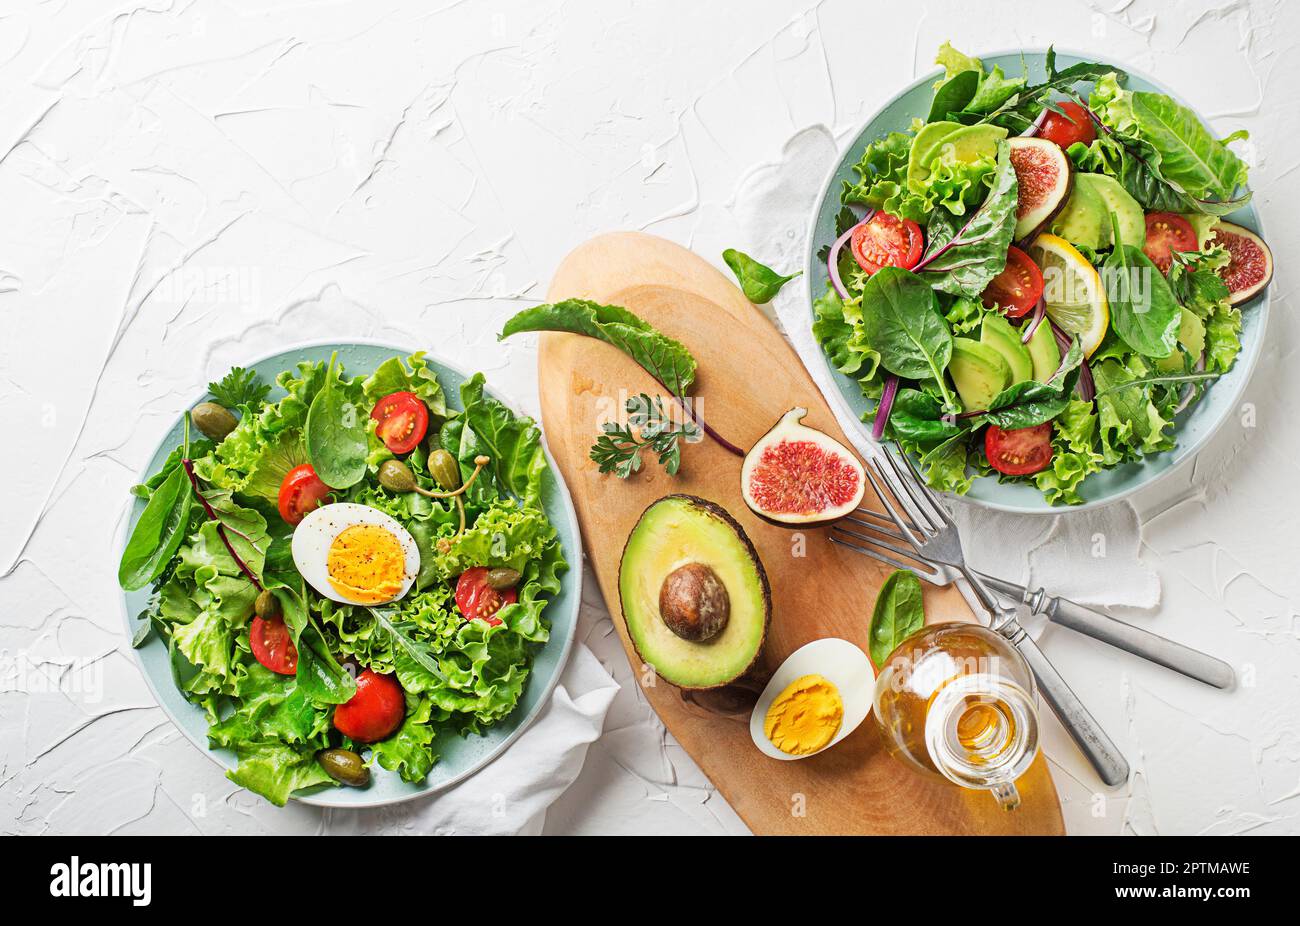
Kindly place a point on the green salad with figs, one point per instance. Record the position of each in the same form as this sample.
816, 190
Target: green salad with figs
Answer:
1036, 279
345, 570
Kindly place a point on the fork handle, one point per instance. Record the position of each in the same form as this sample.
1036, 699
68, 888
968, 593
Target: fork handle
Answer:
1083, 728
1190, 662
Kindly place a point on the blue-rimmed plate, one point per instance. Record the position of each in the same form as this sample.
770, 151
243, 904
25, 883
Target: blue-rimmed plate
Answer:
458, 758
1192, 429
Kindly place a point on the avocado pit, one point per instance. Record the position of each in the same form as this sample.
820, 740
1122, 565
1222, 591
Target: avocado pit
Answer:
694, 603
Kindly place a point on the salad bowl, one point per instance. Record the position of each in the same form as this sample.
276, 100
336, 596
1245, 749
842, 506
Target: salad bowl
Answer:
459, 758
1193, 427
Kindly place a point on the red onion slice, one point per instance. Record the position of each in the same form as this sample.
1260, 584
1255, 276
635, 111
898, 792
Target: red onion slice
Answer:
1036, 126
883, 409
1086, 386
833, 258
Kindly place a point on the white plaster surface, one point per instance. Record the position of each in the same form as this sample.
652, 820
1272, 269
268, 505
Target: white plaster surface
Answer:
190, 183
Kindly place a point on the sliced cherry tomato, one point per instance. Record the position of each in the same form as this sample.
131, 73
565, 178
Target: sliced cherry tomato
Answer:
273, 645
302, 491
477, 599
1018, 287
1021, 451
886, 241
1167, 232
403, 421
1065, 132
375, 711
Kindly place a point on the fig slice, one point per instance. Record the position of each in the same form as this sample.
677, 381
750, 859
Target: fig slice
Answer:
797, 476
1251, 266
1044, 176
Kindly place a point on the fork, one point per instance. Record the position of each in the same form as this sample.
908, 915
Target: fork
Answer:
1183, 659
932, 533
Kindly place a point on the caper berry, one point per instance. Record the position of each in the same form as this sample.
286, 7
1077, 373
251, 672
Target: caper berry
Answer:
396, 476
213, 420
503, 578
344, 766
266, 606
444, 469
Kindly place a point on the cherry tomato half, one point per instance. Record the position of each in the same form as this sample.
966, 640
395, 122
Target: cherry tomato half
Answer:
403, 420
273, 645
477, 599
886, 241
1065, 132
1167, 232
375, 711
1017, 288
1021, 451
302, 491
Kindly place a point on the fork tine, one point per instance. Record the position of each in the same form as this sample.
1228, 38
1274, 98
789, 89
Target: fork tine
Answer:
891, 506
911, 485
945, 519
932, 578
876, 541
897, 483
880, 517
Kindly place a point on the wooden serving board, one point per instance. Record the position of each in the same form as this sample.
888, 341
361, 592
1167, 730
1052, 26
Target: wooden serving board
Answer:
748, 376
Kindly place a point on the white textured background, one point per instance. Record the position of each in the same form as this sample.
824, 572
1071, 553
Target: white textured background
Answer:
188, 184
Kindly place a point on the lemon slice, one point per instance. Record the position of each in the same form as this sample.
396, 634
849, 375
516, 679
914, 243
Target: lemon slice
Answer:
1073, 292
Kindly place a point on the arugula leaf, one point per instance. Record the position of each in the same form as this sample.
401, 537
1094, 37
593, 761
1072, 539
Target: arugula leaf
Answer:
898, 613
240, 387
900, 318
758, 282
1143, 309
667, 360
335, 434
961, 258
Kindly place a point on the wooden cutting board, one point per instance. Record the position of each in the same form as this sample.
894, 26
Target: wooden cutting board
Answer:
748, 376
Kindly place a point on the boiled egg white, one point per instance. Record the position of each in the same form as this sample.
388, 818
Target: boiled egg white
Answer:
837, 661
355, 554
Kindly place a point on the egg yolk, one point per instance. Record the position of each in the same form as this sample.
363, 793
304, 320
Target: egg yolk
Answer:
366, 564
804, 717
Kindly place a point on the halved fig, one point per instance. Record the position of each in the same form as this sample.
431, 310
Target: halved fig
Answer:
797, 476
1044, 176
1251, 266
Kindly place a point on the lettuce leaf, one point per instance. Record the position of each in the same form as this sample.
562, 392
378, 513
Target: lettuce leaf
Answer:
513, 443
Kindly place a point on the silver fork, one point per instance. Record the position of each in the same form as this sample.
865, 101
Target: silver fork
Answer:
932, 533
1183, 659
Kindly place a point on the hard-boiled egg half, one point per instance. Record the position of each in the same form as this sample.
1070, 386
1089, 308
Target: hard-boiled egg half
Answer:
355, 554
819, 695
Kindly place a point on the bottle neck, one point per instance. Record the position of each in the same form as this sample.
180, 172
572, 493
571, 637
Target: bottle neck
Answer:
981, 730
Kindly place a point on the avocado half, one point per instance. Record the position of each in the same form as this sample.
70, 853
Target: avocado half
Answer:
679, 531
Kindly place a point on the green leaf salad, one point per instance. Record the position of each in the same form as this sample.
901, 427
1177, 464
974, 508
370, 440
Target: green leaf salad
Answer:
1035, 280
277, 664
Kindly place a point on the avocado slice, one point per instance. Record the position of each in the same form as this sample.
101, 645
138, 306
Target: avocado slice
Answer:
1191, 335
678, 540
1044, 352
925, 146
978, 371
975, 141
997, 333
1116, 200
1085, 219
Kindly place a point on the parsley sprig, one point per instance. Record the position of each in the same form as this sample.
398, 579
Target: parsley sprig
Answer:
618, 449
240, 387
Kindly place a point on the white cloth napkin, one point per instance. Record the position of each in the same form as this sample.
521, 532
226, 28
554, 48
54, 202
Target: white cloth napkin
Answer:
510, 796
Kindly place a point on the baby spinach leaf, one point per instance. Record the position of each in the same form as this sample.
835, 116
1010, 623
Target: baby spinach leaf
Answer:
899, 613
920, 418
952, 95
963, 256
665, 359
1143, 309
900, 318
336, 432
758, 282
158, 534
